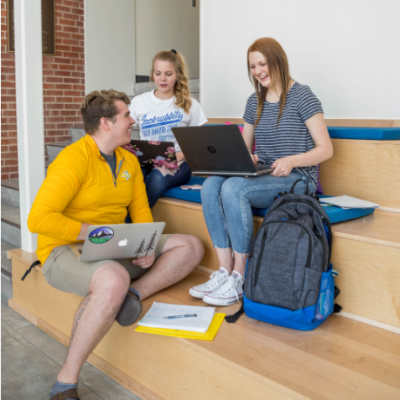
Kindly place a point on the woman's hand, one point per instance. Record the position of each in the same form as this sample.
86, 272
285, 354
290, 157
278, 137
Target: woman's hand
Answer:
282, 167
254, 158
144, 262
180, 156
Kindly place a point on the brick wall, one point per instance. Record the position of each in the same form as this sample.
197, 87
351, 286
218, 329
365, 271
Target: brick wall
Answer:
63, 83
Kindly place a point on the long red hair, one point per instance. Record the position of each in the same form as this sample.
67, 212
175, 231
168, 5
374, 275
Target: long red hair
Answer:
278, 66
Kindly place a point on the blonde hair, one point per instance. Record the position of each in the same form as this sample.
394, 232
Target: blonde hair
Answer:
278, 66
181, 88
99, 104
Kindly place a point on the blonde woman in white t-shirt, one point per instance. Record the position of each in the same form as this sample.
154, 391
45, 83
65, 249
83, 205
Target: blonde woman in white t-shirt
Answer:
157, 112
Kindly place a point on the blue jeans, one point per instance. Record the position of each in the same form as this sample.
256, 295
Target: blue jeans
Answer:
227, 205
156, 183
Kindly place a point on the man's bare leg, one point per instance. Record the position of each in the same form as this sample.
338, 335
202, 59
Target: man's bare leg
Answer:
94, 317
181, 254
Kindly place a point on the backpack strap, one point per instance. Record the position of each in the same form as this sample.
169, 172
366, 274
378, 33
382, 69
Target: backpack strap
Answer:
30, 269
291, 191
231, 319
336, 307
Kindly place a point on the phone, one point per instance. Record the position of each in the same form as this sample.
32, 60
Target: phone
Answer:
191, 187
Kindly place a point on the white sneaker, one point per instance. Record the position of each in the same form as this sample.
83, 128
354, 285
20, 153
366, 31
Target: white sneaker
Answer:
229, 293
218, 278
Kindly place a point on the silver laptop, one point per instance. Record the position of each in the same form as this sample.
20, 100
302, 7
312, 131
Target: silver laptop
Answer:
217, 150
105, 242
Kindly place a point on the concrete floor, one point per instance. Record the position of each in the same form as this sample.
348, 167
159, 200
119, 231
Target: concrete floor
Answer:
31, 359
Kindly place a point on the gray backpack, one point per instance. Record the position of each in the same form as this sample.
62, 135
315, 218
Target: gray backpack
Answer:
289, 278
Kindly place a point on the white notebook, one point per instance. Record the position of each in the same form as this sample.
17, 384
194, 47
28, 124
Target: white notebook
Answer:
348, 202
155, 317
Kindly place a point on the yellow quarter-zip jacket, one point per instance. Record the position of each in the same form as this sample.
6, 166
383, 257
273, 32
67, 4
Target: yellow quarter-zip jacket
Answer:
80, 187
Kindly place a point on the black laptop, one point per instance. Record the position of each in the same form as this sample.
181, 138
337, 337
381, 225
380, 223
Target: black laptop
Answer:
154, 154
217, 150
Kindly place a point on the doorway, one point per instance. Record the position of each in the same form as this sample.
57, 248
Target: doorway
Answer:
165, 25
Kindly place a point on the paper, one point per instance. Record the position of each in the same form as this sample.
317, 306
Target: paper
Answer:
209, 335
348, 202
154, 318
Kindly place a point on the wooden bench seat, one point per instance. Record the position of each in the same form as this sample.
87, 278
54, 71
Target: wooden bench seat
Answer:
367, 169
342, 359
366, 253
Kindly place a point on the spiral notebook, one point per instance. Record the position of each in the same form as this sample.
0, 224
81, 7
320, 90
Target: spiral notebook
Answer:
156, 317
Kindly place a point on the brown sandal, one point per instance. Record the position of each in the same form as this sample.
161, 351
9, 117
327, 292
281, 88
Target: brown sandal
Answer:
68, 394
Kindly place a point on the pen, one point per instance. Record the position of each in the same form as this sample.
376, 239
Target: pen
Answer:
181, 316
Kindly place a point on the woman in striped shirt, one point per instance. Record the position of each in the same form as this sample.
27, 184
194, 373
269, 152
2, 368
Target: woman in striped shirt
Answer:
285, 120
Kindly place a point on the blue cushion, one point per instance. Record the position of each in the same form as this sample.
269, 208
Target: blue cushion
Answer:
335, 214
336, 132
341, 132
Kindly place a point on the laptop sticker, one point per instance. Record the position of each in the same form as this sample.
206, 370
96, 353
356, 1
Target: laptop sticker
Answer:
101, 235
126, 175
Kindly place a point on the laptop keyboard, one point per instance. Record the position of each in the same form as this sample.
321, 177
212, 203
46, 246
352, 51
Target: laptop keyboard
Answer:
262, 167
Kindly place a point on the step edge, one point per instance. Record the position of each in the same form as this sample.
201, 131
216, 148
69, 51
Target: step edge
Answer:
58, 144
6, 273
363, 239
12, 223
369, 321
7, 186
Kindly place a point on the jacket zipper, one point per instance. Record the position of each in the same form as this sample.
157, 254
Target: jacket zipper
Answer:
262, 247
114, 178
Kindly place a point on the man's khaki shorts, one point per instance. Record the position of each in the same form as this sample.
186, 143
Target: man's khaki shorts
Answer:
65, 272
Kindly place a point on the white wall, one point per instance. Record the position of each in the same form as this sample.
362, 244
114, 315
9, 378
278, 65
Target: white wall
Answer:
347, 51
165, 25
110, 45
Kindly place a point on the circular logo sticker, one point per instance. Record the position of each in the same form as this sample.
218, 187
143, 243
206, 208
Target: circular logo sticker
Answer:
101, 235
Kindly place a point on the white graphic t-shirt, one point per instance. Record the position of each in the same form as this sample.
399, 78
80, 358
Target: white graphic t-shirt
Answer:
156, 117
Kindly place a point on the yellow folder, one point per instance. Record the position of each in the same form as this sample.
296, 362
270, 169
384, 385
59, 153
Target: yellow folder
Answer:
209, 335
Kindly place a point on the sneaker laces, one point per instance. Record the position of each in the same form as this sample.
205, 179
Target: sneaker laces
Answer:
220, 277
230, 282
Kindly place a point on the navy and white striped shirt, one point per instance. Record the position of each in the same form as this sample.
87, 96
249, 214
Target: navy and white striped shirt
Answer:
291, 136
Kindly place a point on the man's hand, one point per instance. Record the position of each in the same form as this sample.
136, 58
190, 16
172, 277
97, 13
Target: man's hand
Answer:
83, 232
282, 167
144, 262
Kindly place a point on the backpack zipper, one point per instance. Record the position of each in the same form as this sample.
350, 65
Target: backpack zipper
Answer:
328, 223
255, 238
263, 245
264, 239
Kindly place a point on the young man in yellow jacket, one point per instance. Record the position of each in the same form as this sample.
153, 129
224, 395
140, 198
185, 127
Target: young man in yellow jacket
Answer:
93, 182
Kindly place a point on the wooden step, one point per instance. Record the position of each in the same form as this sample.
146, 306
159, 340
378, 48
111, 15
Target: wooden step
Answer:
367, 169
10, 192
342, 359
6, 269
11, 224
366, 253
